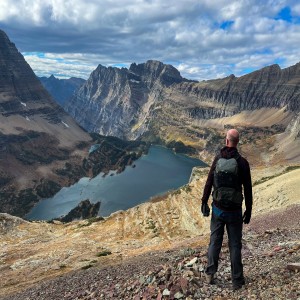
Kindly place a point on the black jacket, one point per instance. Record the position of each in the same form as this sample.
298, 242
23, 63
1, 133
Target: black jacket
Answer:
244, 177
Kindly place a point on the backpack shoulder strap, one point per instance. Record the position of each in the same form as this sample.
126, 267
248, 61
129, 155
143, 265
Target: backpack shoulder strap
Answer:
237, 156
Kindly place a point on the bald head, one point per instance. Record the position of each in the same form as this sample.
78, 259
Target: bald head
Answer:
232, 138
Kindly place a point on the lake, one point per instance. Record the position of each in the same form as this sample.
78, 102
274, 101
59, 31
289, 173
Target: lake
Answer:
156, 173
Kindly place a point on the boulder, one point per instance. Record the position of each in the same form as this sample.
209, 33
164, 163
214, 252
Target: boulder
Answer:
84, 210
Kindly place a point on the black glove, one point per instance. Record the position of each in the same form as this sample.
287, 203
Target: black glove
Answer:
205, 209
247, 217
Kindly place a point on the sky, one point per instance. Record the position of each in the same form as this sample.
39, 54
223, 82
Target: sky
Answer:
203, 39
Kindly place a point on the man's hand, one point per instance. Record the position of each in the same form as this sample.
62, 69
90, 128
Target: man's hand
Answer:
246, 217
205, 209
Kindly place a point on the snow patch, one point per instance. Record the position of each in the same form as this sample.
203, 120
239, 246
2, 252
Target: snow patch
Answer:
27, 118
24, 104
65, 124
94, 148
132, 80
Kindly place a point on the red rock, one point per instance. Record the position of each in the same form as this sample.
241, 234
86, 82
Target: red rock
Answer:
159, 296
277, 248
196, 282
296, 247
183, 284
174, 290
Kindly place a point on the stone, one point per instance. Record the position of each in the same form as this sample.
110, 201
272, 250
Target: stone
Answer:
166, 292
142, 280
196, 282
293, 266
174, 289
84, 210
183, 284
201, 268
296, 247
178, 295
159, 296
192, 262
196, 273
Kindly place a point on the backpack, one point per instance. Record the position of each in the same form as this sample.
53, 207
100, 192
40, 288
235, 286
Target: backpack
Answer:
227, 190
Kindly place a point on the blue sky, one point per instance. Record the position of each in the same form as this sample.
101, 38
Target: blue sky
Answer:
203, 39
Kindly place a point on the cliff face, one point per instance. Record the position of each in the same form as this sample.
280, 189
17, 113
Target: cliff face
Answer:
114, 100
61, 89
21, 93
268, 87
36, 135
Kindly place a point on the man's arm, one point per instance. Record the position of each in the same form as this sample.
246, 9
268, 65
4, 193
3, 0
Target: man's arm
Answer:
209, 182
247, 192
248, 187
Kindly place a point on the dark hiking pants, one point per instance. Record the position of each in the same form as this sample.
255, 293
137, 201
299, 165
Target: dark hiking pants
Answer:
234, 225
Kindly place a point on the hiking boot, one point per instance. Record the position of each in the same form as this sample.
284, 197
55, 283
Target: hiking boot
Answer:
209, 278
237, 286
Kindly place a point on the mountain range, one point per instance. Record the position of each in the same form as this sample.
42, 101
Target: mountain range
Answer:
151, 101
61, 89
158, 248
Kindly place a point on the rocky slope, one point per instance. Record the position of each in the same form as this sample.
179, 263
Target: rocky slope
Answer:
61, 89
34, 251
179, 273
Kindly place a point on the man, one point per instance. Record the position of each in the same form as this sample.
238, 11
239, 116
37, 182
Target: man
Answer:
228, 174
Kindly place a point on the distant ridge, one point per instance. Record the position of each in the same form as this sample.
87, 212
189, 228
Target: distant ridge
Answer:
61, 89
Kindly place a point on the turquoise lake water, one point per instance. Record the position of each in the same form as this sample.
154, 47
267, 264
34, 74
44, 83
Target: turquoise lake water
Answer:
158, 172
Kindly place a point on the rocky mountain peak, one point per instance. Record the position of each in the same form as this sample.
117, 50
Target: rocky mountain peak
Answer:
114, 96
3, 38
272, 72
154, 70
4, 41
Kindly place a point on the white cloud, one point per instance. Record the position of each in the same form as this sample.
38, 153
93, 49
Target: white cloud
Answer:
77, 35
296, 10
76, 65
